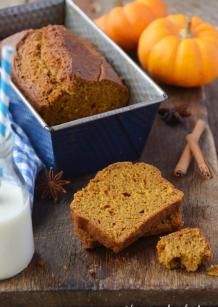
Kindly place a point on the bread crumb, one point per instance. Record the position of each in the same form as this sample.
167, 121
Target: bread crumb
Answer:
213, 270
40, 262
66, 268
187, 248
92, 271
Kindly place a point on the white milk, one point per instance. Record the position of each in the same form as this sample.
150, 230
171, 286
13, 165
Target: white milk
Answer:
16, 235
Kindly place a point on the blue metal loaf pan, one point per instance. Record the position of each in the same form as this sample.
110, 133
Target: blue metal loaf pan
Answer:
85, 145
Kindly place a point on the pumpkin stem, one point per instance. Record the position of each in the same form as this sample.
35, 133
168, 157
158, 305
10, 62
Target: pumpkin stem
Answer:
119, 2
186, 32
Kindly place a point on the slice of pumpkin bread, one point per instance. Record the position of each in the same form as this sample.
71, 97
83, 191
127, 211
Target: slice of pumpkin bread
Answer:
187, 248
123, 202
169, 224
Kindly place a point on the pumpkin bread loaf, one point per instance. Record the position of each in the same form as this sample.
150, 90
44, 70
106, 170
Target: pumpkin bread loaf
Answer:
64, 77
123, 202
186, 248
169, 224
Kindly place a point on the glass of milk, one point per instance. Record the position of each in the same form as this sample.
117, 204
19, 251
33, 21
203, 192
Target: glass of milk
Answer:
16, 234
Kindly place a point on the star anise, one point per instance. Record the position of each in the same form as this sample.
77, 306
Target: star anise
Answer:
51, 185
171, 116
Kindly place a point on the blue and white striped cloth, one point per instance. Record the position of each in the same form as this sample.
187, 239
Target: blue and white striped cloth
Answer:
25, 159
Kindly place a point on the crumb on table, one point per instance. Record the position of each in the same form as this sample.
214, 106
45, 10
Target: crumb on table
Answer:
66, 268
92, 271
213, 270
40, 262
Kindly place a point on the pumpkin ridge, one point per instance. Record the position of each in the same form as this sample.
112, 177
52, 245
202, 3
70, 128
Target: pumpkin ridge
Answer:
171, 58
201, 28
134, 25
209, 40
158, 7
151, 50
114, 27
175, 61
204, 34
147, 8
178, 21
201, 74
173, 28
186, 73
164, 22
205, 62
161, 40
145, 47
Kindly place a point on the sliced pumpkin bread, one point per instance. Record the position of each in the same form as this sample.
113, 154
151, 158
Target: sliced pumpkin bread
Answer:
123, 202
187, 248
169, 224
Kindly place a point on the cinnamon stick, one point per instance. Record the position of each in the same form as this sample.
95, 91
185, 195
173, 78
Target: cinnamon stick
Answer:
197, 153
185, 159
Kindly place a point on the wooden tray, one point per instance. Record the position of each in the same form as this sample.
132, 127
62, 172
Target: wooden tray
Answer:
60, 274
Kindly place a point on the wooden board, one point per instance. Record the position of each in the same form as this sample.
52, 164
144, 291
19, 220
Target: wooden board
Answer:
59, 274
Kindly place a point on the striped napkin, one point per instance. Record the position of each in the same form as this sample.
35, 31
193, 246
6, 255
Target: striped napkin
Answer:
25, 160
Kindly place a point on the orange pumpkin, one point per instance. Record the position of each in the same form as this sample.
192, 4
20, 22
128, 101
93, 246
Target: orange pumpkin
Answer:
124, 24
180, 52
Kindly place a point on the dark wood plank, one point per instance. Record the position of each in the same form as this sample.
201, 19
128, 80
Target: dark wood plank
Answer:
134, 276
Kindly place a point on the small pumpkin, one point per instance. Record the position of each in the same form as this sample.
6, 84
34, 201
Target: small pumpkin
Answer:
124, 24
180, 52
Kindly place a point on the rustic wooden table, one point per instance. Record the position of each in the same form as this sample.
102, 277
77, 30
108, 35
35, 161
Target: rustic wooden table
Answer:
59, 273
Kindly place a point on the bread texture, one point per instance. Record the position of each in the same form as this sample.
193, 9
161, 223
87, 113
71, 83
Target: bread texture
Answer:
169, 224
123, 202
64, 77
187, 248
